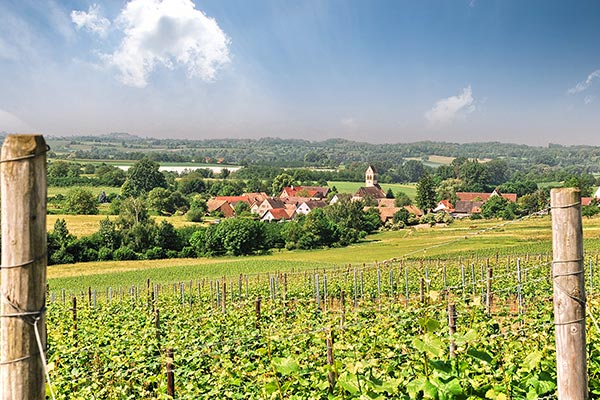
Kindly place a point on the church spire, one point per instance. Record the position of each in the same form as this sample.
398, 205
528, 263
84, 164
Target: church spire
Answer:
371, 177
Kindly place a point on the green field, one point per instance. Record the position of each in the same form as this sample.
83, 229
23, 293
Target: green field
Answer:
352, 187
461, 239
96, 190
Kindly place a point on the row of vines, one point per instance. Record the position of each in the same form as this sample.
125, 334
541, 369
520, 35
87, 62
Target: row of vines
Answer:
421, 329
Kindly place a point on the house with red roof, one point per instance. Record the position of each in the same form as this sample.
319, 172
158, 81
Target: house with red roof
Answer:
315, 192
277, 214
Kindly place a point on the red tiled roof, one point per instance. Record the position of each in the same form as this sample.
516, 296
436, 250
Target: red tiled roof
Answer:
472, 196
312, 191
278, 213
233, 199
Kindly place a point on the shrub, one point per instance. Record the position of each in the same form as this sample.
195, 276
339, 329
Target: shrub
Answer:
105, 254
124, 253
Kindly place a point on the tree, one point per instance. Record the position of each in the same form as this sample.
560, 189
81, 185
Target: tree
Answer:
64, 169
474, 176
241, 207
389, 194
426, 196
281, 181
142, 177
318, 230
132, 211
447, 189
402, 200
414, 170
60, 244
401, 216
167, 237
110, 175
159, 200
81, 201
191, 183
498, 207
498, 172
107, 235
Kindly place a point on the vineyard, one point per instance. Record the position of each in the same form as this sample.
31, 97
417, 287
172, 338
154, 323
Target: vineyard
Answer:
456, 328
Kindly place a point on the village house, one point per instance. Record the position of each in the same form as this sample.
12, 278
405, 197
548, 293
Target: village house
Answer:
307, 206
445, 206
222, 206
466, 208
277, 214
269, 203
474, 196
313, 192
470, 203
233, 200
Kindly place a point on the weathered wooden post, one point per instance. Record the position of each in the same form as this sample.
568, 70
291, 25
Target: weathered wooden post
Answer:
23, 274
170, 373
452, 328
569, 294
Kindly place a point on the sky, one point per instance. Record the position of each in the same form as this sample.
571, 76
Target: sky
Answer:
381, 71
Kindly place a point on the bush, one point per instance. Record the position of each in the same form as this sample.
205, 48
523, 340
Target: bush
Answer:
124, 253
188, 252
105, 254
194, 215
155, 253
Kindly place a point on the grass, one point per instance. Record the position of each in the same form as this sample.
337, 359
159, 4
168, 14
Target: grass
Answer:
85, 225
461, 239
96, 190
352, 187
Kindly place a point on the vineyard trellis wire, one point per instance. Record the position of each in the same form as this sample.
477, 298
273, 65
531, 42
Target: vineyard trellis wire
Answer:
379, 297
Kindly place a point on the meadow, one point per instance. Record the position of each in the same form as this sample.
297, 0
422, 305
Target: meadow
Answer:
464, 238
351, 187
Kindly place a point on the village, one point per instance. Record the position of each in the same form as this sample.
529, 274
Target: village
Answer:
301, 200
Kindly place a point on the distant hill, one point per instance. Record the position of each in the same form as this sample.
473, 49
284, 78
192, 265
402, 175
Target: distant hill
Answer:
331, 153
121, 136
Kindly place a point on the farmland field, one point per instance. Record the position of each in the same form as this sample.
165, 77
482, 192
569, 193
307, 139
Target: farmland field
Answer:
366, 321
462, 238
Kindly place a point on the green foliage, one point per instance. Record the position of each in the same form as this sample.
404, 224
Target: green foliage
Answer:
281, 181
142, 177
401, 216
402, 200
426, 196
124, 253
110, 175
81, 201
192, 183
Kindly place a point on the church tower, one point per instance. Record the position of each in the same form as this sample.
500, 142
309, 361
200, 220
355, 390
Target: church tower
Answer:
371, 177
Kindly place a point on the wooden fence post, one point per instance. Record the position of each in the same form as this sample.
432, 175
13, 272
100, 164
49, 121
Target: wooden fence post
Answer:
452, 328
170, 373
569, 294
23, 275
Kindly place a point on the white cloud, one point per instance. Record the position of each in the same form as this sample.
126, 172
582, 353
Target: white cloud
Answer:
168, 33
446, 111
588, 99
581, 86
12, 124
91, 20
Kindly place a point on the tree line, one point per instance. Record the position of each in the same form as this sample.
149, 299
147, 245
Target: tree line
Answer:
134, 235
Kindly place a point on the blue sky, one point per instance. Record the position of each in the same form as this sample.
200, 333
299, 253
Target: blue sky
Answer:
368, 70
